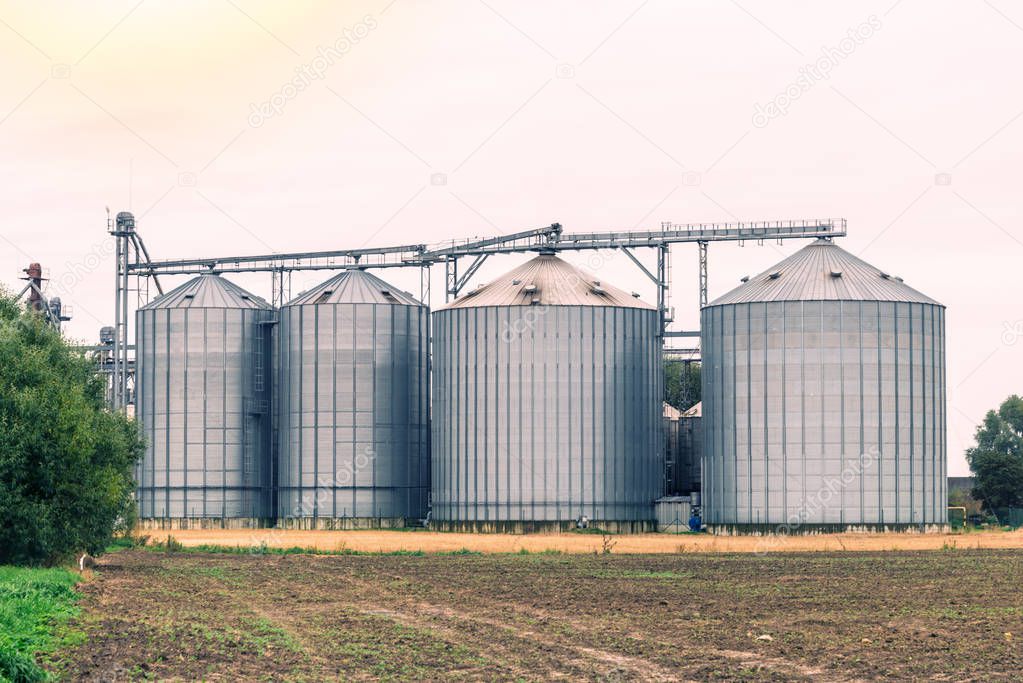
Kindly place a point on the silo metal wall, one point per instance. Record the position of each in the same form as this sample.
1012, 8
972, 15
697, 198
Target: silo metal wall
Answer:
545, 414
202, 401
824, 415
353, 415
683, 453
691, 442
673, 467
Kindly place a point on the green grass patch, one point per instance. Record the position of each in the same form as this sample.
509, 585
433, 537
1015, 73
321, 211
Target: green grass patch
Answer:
34, 603
547, 551
265, 633
127, 542
393, 651
641, 574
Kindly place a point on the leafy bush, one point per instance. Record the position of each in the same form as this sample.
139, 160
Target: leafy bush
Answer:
66, 461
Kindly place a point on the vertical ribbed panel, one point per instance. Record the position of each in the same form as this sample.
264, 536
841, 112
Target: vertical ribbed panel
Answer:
546, 414
353, 412
826, 412
683, 443
202, 401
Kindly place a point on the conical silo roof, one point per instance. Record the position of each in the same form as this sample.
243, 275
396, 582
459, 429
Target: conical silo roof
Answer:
823, 271
207, 291
354, 287
548, 281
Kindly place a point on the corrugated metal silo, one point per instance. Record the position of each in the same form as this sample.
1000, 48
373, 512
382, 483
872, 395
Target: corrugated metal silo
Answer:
202, 399
691, 439
824, 400
546, 404
353, 406
683, 435
673, 468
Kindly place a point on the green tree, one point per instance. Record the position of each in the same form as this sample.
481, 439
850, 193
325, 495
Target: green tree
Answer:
682, 384
997, 459
66, 461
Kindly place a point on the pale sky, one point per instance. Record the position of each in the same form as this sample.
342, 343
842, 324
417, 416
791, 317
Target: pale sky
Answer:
597, 115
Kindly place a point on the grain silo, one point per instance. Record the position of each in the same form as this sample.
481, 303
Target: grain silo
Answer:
823, 400
683, 450
691, 440
546, 405
203, 395
674, 469
353, 406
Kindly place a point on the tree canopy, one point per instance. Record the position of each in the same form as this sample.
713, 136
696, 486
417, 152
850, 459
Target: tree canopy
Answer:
682, 384
66, 461
997, 459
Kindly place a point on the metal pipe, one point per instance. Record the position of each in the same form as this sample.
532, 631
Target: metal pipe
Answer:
115, 390
125, 326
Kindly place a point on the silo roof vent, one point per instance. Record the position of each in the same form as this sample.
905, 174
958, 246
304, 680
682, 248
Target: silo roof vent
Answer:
207, 291
550, 281
822, 271
354, 287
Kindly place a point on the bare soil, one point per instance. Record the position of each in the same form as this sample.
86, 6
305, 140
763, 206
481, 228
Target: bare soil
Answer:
945, 615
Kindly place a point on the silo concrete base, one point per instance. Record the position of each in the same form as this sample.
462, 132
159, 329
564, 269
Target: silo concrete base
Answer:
173, 523
344, 523
542, 527
817, 529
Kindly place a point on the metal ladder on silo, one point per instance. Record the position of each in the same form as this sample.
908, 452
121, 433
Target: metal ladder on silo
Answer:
255, 405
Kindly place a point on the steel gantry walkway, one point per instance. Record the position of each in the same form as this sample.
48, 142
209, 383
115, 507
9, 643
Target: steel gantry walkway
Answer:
135, 267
